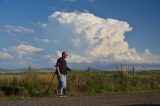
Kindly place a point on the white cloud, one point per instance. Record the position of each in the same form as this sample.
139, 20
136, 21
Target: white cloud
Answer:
77, 58
17, 29
76, 42
26, 49
5, 55
22, 56
58, 53
71, 58
147, 51
41, 24
51, 59
91, 0
91, 37
77, 0
54, 41
46, 41
69, 0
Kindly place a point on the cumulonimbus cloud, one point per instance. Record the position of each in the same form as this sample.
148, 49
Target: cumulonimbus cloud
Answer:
92, 37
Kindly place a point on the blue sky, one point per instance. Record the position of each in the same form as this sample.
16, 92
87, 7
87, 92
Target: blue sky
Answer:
30, 37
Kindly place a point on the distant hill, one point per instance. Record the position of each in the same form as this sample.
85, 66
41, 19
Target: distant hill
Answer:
91, 67
2, 69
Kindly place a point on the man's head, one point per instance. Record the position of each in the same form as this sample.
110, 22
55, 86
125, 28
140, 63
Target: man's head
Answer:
64, 54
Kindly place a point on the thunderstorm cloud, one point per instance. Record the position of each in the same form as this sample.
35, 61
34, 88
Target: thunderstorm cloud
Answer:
91, 37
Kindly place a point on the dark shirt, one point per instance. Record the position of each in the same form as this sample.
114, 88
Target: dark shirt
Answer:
62, 64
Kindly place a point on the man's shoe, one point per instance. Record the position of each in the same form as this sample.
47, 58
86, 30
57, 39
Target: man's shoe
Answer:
62, 96
56, 92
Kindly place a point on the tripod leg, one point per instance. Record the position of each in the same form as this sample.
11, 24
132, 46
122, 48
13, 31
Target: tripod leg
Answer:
50, 84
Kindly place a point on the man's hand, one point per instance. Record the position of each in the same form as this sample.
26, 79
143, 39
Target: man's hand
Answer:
68, 69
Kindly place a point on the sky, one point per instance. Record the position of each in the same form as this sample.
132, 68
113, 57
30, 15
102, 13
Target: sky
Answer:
35, 32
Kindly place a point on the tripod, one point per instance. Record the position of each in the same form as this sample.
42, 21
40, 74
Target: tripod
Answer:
50, 83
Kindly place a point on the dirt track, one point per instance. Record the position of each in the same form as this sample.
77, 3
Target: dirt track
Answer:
107, 100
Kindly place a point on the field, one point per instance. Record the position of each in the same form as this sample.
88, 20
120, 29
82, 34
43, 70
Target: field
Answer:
34, 84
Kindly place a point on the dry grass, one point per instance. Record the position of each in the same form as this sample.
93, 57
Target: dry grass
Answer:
32, 84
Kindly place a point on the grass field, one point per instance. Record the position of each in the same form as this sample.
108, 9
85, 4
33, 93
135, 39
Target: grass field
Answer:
35, 84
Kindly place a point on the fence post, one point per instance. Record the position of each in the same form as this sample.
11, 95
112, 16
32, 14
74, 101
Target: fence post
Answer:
133, 72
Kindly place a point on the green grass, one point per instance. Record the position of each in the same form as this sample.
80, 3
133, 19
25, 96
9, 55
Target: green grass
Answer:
35, 84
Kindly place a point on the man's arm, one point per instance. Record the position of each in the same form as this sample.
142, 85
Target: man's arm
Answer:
57, 68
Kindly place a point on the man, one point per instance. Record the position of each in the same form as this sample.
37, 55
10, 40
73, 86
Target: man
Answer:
61, 70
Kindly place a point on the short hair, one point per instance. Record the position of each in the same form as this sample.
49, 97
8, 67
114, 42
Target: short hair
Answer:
64, 52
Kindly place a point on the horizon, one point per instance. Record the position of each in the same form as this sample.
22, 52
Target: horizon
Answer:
93, 67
